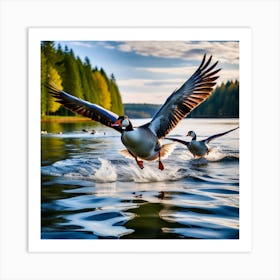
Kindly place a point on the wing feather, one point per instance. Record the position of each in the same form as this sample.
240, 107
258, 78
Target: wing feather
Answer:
207, 140
83, 108
182, 101
186, 143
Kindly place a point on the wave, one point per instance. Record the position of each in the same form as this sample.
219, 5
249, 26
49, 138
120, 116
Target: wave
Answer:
102, 170
214, 155
104, 223
105, 171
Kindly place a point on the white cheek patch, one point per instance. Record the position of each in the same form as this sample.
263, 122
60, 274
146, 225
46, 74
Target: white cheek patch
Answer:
125, 123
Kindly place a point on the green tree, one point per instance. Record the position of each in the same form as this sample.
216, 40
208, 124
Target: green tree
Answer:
224, 102
48, 74
71, 76
79, 78
84, 81
116, 100
117, 105
92, 95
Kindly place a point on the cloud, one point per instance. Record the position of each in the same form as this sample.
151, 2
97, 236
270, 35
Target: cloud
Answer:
147, 90
224, 51
82, 44
183, 73
176, 71
107, 45
144, 97
133, 83
157, 90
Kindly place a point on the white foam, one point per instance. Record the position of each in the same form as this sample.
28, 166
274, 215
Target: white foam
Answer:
215, 155
106, 172
149, 173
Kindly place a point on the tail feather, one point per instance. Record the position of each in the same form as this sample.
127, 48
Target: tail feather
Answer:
166, 150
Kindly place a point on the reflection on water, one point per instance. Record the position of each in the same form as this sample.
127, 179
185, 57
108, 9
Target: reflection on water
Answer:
90, 191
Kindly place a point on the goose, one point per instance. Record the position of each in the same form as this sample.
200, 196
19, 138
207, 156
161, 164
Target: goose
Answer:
200, 148
143, 142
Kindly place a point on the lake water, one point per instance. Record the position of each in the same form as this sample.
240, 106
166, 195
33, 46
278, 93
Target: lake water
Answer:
90, 191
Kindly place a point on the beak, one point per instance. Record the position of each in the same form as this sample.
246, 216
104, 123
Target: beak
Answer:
117, 123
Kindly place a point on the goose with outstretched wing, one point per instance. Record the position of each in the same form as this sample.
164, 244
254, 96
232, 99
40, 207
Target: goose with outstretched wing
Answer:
199, 148
143, 142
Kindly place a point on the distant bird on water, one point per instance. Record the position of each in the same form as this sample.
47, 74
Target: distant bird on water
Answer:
198, 148
143, 142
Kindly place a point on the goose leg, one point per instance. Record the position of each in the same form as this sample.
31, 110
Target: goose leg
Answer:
140, 163
160, 164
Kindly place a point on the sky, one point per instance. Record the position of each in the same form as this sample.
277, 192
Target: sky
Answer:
149, 71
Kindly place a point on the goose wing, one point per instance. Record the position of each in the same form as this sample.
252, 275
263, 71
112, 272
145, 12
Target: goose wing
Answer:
207, 140
186, 143
84, 108
182, 101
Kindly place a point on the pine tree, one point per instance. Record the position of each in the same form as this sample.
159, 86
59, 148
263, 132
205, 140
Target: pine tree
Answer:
80, 79
224, 102
92, 96
117, 105
48, 74
71, 77
84, 81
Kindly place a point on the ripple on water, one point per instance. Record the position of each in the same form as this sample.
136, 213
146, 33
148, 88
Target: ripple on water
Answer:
200, 225
101, 223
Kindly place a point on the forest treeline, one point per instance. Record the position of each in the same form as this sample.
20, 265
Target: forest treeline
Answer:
223, 103
138, 111
77, 77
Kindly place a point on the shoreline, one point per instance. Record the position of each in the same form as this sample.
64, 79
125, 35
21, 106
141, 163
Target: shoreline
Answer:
64, 119
72, 119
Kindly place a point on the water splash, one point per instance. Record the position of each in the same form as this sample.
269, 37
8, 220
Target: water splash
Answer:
132, 172
215, 155
110, 171
106, 173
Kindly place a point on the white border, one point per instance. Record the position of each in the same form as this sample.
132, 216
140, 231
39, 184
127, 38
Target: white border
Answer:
262, 16
243, 35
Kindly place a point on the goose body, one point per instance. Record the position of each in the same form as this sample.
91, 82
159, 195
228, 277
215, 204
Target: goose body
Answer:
143, 142
133, 140
199, 148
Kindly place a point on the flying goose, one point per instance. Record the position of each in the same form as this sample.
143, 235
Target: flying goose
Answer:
198, 148
143, 142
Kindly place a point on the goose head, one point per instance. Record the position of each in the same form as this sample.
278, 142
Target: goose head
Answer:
124, 123
191, 134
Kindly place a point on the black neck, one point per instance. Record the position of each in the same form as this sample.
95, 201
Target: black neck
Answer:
129, 127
